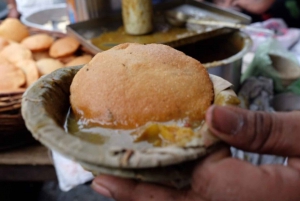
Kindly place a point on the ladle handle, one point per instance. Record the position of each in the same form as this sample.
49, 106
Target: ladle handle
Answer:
230, 25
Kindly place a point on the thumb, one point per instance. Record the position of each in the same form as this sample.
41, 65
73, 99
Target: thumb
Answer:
269, 133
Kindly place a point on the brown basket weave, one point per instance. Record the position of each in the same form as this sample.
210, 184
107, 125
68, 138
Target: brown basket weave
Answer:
10, 102
13, 131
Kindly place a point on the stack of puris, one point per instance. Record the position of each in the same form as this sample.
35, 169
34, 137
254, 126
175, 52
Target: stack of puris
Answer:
24, 57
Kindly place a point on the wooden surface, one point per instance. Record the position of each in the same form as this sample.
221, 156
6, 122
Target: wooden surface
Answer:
29, 155
30, 163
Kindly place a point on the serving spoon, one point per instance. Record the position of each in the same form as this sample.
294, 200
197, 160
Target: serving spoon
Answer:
177, 18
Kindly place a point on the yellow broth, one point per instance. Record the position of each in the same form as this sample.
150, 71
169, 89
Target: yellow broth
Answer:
110, 39
165, 134
102, 136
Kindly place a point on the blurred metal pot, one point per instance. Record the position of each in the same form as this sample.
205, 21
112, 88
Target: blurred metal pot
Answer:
222, 55
80, 10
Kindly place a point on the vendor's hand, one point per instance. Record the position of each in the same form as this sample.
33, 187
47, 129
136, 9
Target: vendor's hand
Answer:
221, 178
13, 12
224, 3
252, 6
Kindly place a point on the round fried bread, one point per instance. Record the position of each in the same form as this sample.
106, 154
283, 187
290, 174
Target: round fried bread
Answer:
12, 78
63, 47
66, 59
48, 65
38, 42
15, 52
30, 69
3, 43
132, 84
13, 29
80, 60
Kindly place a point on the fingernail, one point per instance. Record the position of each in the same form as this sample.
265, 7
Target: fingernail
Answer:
226, 120
98, 187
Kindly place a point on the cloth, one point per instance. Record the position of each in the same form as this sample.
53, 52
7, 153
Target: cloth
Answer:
296, 50
26, 7
284, 35
263, 65
256, 94
69, 173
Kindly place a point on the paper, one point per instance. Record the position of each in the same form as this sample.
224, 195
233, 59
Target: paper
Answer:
69, 173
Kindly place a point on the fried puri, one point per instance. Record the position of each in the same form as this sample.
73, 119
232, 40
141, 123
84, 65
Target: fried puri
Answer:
13, 29
48, 65
3, 43
132, 84
11, 77
38, 42
80, 60
15, 52
63, 47
30, 69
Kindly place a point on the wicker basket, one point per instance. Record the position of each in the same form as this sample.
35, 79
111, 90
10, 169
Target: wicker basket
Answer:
13, 131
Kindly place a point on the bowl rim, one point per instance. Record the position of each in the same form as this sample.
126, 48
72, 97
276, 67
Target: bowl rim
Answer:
246, 48
46, 130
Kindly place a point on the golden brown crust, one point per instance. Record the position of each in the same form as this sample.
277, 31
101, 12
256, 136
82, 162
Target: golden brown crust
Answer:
132, 84
66, 59
3, 43
48, 65
30, 69
15, 52
38, 42
64, 47
13, 29
80, 60
12, 78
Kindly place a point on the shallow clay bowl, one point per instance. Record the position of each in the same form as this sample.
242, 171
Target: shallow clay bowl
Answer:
45, 106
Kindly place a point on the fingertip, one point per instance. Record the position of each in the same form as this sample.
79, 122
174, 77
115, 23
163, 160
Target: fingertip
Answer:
209, 113
224, 121
98, 185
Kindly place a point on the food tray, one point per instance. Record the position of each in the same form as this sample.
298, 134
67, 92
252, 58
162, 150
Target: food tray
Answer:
52, 18
88, 32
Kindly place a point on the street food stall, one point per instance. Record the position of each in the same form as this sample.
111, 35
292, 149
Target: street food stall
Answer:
52, 44
41, 53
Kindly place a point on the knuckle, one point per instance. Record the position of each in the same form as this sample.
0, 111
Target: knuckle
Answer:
266, 129
263, 124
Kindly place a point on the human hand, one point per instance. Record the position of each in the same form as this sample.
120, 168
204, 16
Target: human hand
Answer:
218, 177
13, 12
252, 6
224, 3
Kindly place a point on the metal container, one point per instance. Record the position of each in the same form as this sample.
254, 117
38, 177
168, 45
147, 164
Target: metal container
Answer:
89, 32
222, 55
52, 18
137, 16
80, 10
